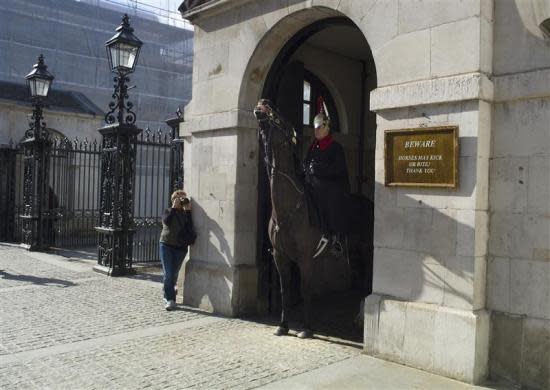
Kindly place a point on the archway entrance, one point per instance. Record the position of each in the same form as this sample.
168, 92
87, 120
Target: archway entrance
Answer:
327, 65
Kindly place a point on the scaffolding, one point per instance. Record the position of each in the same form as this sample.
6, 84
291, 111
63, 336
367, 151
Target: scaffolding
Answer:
71, 34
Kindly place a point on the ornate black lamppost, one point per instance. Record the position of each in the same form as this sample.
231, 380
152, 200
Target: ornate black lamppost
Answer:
176, 152
116, 217
37, 222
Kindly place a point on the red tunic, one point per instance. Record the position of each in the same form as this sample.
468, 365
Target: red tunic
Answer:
322, 143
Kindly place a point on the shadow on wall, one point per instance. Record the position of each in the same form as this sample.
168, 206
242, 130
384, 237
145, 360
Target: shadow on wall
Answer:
532, 15
519, 43
203, 286
211, 237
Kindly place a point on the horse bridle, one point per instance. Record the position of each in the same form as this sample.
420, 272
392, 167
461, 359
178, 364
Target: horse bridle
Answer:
274, 122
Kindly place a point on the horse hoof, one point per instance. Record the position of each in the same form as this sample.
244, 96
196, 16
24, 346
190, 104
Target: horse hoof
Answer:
281, 331
305, 334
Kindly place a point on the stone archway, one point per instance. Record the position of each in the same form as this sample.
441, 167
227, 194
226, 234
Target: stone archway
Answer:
335, 50
221, 145
274, 48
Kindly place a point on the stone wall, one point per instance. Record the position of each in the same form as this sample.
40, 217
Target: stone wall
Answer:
428, 306
430, 244
221, 178
428, 303
518, 285
434, 61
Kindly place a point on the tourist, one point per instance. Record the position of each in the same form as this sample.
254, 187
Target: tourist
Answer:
177, 234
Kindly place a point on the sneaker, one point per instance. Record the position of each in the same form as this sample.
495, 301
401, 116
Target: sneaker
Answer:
169, 305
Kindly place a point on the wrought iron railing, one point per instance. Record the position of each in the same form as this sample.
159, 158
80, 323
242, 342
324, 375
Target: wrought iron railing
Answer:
152, 191
73, 186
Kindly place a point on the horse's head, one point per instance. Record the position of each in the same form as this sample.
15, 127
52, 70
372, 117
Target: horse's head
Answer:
272, 124
264, 113
277, 134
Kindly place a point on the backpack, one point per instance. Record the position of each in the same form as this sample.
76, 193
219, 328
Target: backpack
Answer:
189, 234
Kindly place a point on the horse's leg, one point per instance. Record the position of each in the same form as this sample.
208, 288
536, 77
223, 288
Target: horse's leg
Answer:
283, 266
306, 275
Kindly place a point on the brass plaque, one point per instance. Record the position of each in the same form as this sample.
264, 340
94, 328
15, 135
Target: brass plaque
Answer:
422, 157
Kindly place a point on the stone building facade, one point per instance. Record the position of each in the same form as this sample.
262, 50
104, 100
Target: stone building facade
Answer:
460, 278
71, 35
68, 113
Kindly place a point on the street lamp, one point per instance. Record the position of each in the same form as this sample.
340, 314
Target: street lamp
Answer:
176, 152
38, 81
116, 226
123, 52
36, 217
123, 48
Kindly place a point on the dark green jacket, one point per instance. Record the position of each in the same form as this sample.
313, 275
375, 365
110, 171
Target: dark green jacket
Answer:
174, 223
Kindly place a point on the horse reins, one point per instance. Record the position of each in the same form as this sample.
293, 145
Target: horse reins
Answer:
272, 170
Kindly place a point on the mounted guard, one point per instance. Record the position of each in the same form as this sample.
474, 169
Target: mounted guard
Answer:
293, 237
327, 185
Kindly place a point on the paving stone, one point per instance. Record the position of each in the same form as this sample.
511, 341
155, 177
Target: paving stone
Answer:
61, 306
228, 354
60, 335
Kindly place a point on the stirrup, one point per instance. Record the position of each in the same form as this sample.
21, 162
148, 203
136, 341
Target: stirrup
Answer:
321, 246
337, 248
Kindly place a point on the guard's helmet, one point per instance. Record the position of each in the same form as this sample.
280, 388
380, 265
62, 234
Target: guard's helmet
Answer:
321, 120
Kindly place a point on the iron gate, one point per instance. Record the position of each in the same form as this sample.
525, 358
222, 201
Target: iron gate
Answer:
7, 192
159, 162
73, 186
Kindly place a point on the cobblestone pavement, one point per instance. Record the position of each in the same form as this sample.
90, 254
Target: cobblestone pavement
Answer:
60, 306
66, 327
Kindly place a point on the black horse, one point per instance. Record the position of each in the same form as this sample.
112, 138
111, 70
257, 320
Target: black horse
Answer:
292, 236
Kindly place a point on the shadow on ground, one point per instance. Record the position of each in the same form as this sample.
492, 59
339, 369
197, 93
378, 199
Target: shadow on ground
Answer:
333, 318
149, 276
36, 280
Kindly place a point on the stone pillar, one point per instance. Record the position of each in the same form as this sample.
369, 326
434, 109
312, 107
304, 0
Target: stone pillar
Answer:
221, 177
428, 307
430, 246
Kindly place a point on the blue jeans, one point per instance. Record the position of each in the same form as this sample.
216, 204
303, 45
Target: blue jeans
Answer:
171, 259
